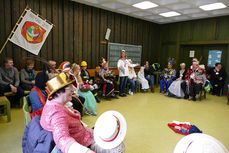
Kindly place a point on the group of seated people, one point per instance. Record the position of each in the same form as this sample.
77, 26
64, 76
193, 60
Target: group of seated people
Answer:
56, 94
188, 83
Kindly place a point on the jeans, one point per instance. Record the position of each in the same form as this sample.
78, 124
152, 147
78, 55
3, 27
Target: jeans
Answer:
122, 84
150, 79
133, 84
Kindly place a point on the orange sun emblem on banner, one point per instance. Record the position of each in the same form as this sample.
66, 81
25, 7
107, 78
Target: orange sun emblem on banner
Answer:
32, 32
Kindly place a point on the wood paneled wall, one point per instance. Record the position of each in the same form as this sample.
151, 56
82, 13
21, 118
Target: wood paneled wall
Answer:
195, 32
78, 31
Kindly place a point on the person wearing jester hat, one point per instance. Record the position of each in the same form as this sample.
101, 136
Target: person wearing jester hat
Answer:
167, 76
195, 80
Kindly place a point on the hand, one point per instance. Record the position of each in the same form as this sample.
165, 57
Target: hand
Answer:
13, 88
178, 79
90, 151
33, 82
220, 78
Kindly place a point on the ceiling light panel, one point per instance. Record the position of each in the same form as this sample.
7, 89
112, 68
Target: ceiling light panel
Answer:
145, 5
213, 6
170, 14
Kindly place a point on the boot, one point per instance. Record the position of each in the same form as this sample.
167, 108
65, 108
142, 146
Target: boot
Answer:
97, 99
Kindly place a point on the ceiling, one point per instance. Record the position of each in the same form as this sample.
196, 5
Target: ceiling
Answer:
189, 9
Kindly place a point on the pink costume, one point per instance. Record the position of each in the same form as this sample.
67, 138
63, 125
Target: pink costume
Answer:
65, 126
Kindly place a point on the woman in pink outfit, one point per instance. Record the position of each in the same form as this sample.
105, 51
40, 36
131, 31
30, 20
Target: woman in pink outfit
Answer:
69, 133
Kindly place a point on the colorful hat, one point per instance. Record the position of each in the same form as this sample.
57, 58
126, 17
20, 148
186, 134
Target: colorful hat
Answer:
199, 143
171, 61
65, 66
83, 63
110, 130
156, 66
58, 82
202, 66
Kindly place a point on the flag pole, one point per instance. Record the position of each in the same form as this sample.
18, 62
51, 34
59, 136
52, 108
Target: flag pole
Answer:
19, 20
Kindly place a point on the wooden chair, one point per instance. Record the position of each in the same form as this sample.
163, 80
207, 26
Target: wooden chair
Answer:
6, 107
202, 94
9, 94
228, 95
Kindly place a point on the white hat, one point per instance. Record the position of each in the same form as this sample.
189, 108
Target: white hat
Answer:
202, 66
199, 143
110, 130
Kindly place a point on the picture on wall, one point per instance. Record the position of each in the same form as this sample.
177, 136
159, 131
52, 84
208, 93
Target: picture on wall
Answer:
214, 56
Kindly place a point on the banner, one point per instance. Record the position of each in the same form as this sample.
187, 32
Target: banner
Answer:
31, 32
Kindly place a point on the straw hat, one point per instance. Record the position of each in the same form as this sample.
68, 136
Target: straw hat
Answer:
199, 143
58, 82
110, 130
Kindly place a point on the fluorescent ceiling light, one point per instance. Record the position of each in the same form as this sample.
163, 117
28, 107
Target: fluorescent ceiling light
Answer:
145, 5
170, 14
213, 6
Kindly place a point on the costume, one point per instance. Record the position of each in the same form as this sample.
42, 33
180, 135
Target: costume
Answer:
195, 79
38, 95
83, 90
166, 78
175, 88
69, 132
132, 80
142, 79
87, 80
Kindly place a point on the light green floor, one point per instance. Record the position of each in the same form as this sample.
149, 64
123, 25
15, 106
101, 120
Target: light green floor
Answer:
147, 116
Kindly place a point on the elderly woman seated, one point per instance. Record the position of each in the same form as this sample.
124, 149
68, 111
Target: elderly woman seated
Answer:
175, 88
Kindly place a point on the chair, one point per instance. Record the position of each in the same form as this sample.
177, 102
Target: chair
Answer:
228, 95
26, 110
202, 94
6, 107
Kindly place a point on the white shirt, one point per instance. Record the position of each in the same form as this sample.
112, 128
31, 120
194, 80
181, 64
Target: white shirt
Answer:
123, 67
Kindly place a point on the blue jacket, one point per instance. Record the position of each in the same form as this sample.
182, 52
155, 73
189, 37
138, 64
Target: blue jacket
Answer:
36, 139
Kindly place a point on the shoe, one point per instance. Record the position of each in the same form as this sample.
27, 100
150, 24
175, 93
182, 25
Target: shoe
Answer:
186, 97
197, 96
114, 96
122, 95
97, 99
89, 113
131, 93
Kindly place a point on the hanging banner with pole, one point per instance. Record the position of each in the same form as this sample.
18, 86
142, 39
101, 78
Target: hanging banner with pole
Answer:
30, 32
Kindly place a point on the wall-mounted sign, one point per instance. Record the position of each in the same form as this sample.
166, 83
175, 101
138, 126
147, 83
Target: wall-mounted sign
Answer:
191, 53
